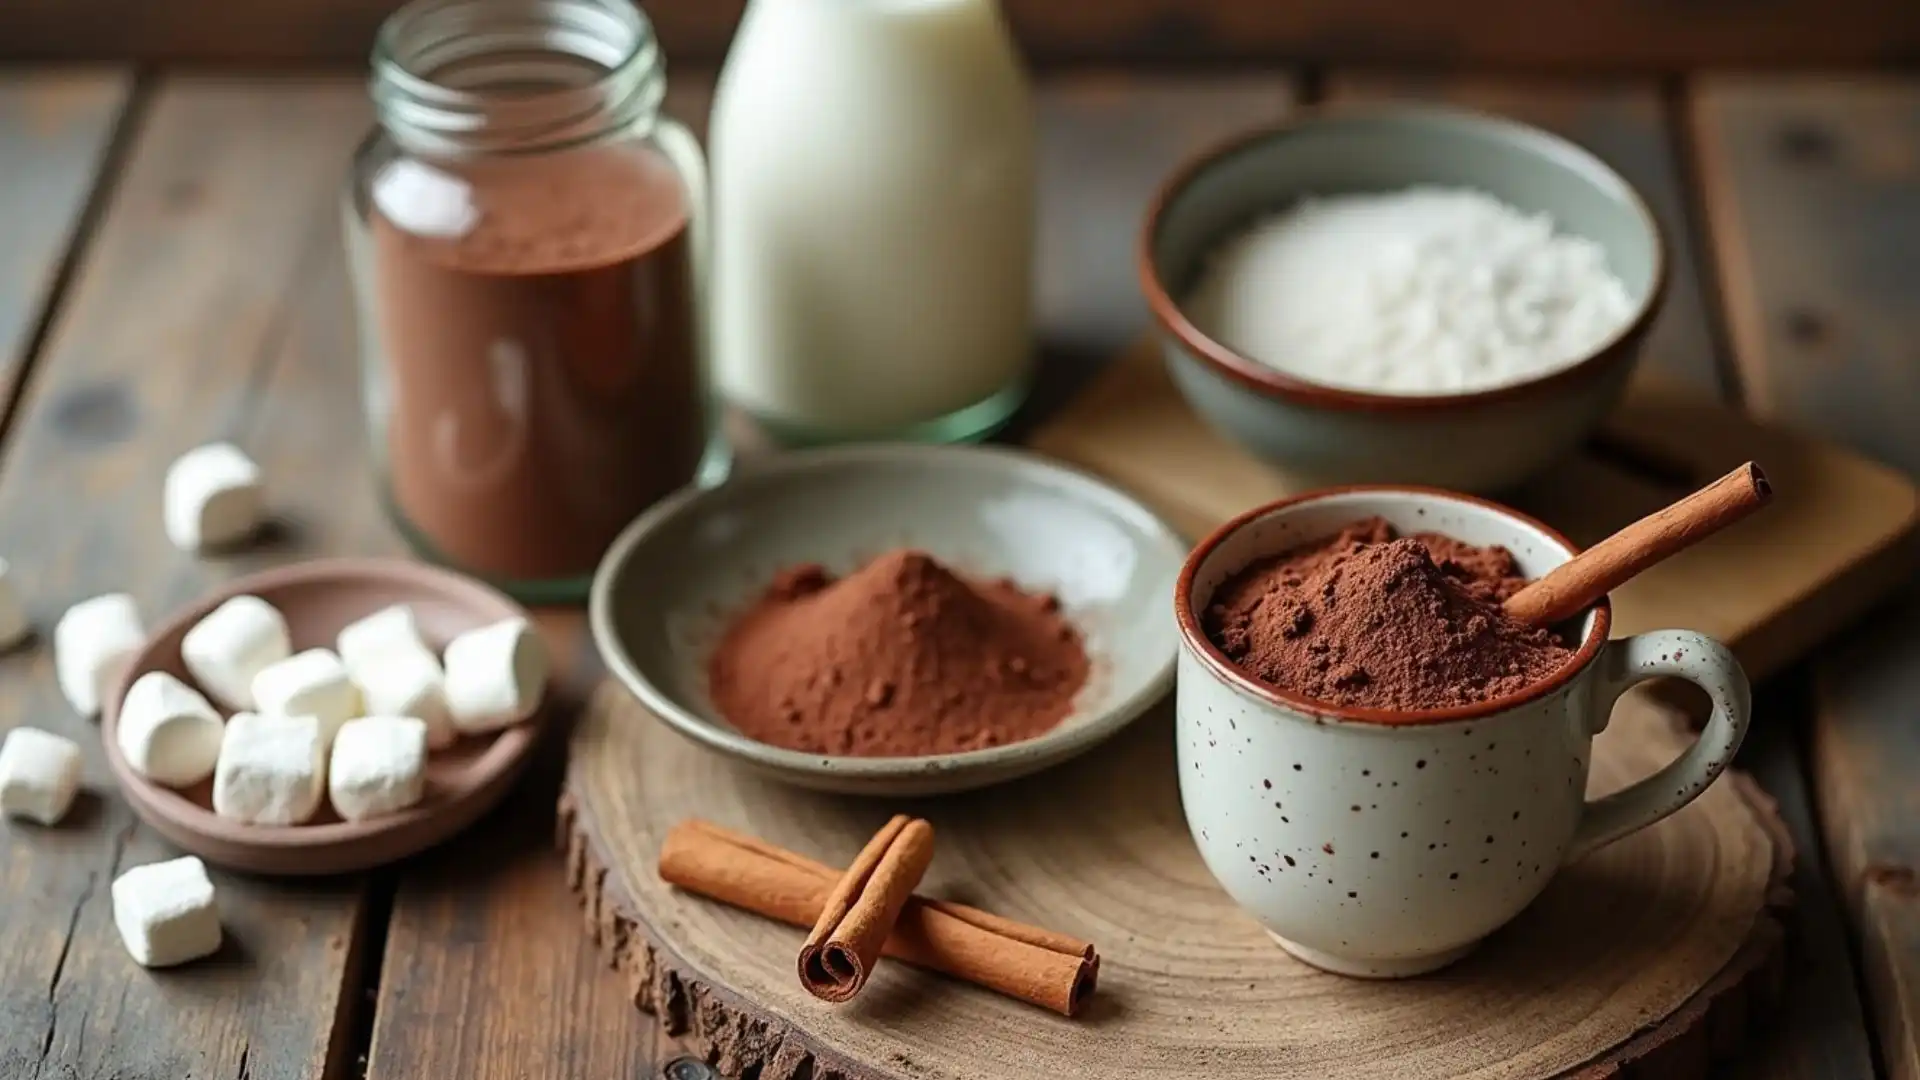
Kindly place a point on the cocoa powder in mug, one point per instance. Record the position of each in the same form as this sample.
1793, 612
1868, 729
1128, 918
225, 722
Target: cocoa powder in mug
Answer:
544, 384
900, 658
1370, 621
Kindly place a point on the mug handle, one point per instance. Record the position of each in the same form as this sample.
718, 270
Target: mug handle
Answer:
1625, 664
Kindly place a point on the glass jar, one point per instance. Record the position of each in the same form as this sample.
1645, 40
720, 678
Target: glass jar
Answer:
874, 185
527, 240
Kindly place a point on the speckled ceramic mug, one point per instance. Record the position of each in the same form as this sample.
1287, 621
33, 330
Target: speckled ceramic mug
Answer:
1387, 844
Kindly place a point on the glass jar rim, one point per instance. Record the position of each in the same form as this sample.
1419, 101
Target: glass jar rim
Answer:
534, 75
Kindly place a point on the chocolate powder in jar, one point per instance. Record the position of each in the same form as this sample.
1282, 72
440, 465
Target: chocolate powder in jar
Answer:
544, 380
1370, 621
898, 659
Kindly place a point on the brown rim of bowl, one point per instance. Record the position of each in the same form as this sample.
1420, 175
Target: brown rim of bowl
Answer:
1267, 380
1195, 638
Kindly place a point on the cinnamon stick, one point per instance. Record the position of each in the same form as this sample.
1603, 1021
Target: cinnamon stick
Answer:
1597, 571
860, 912
1028, 963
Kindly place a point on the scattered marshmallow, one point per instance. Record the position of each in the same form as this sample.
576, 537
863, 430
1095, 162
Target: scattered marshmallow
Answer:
424, 200
92, 644
379, 766
13, 614
233, 644
167, 732
166, 913
39, 774
312, 683
272, 769
366, 640
213, 497
406, 680
495, 675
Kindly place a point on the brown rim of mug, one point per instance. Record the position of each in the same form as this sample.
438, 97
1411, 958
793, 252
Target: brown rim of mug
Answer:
1203, 647
1270, 381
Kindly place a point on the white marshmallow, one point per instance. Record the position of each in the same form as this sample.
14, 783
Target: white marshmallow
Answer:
406, 680
379, 766
312, 683
165, 912
213, 498
167, 732
495, 675
13, 614
272, 769
234, 643
92, 644
366, 640
39, 774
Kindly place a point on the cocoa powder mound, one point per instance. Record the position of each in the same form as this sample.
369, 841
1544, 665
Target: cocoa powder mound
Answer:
900, 658
1370, 621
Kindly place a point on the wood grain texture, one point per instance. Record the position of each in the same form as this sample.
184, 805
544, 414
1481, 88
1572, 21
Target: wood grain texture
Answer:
1595, 34
1813, 195
1624, 122
486, 974
1812, 191
1107, 141
55, 129
1819, 1030
177, 324
1677, 923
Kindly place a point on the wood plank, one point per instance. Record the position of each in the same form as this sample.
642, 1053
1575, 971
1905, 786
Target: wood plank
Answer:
178, 319
1595, 34
1818, 1028
1813, 196
1108, 139
1810, 188
1624, 122
490, 973
55, 128
1865, 751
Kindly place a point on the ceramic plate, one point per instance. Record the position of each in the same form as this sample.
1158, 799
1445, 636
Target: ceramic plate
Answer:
668, 587
318, 599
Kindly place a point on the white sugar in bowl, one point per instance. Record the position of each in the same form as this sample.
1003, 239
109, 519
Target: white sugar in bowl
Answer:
1372, 414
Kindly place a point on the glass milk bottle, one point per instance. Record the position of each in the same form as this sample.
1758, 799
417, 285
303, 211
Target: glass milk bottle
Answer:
873, 187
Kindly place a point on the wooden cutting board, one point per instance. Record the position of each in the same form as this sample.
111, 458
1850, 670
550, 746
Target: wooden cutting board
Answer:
1838, 536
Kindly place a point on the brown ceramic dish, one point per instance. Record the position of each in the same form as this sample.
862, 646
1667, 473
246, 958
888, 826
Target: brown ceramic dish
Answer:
318, 599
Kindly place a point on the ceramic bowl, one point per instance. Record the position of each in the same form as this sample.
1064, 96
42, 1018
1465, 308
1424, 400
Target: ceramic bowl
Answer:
672, 581
319, 598
1386, 844
1480, 441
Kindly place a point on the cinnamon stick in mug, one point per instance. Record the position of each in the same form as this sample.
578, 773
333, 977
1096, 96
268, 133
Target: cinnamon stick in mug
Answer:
860, 912
1039, 966
1597, 571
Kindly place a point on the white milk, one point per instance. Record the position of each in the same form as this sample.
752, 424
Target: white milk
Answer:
873, 185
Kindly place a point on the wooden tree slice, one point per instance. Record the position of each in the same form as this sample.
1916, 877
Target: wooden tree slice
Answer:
1646, 959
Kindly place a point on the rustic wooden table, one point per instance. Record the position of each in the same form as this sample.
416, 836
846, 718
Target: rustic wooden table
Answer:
170, 272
